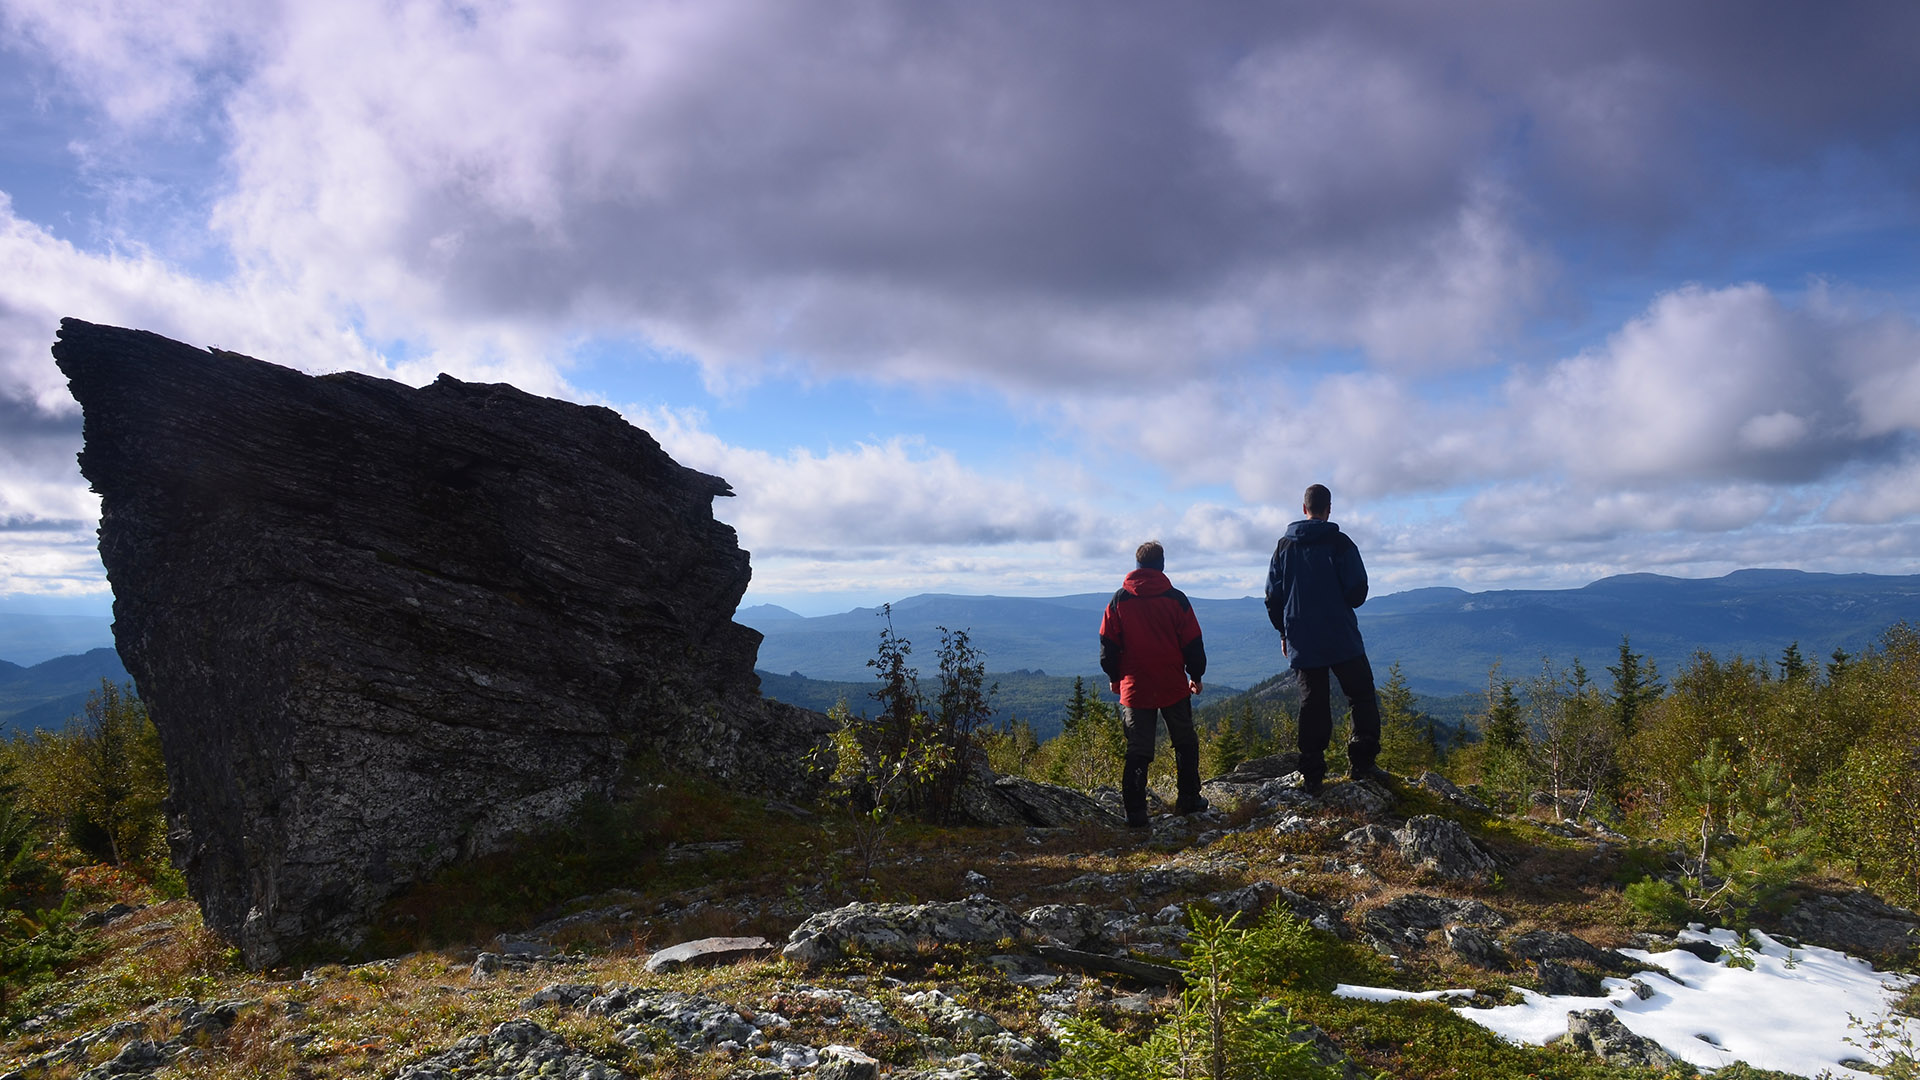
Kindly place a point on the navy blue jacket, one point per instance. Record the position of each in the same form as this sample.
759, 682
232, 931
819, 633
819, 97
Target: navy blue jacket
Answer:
1315, 581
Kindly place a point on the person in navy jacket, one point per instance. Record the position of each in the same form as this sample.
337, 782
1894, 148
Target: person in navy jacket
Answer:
1314, 583
1150, 649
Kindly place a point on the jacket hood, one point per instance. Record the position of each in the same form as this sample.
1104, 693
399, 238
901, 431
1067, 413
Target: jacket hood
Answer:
1144, 582
1312, 531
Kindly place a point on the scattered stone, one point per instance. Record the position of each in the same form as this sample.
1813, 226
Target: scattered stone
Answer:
136, 1058
898, 930
709, 952
952, 1019
94, 920
1705, 950
964, 1067
1409, 918
975, 881
1361, 798
1442, 847
511, 1051
1074, 925
562, 995
1554, 945
1010, 801
678, 853
1563, 980
846, 1063
1600, 1033
1476, 947
1445, 788
1369, 837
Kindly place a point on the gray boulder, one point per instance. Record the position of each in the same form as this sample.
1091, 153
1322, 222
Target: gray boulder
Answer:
1012, 801
1554, 945
1446, 789
708, 952
515, 1049
1476, 947
1600, 1033
1410, 918
381, 628
898, 930
1565, 980
1442, 847
1857, 922
1076, 926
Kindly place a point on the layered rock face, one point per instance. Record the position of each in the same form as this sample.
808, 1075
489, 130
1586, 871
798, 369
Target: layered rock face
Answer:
383, 628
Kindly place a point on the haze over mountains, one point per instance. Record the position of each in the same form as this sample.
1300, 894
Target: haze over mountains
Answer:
1444, 639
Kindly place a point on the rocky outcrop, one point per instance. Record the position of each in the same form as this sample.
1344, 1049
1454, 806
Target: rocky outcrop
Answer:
900, 930
383, 628
1003, 801
1857, 922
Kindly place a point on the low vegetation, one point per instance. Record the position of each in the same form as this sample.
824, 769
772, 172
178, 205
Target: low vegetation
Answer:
1728, 790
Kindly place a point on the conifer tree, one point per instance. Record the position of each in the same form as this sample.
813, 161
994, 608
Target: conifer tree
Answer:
1407, 742
1504, 724
1794, 667
1635, 686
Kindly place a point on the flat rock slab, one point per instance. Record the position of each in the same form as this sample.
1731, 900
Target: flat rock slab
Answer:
709, 952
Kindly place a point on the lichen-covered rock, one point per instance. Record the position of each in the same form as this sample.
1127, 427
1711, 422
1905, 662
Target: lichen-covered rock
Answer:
1440, 845
1409, 918
382, 628
1600, 1033
1855, 922
511, 1051
898, 930
1076, 926
1565, 980
1539, 945
1446, 789
988, 799
1476, 947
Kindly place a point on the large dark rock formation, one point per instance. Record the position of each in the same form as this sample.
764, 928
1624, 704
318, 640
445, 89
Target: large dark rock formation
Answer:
383, 628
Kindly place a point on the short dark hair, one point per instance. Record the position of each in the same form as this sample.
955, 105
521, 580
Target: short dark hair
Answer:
1319, 500
1150, 556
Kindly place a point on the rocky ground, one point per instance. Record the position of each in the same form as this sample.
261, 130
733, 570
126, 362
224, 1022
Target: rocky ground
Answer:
758, 954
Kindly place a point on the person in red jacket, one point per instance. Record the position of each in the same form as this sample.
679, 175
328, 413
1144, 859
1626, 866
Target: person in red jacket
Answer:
1151, 651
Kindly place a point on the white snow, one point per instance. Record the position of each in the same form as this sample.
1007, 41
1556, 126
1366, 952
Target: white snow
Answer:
1792, 1012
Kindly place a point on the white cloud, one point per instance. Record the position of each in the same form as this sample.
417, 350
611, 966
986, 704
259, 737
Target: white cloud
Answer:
842, 504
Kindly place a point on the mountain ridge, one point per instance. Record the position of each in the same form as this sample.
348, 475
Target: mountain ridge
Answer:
1446, 639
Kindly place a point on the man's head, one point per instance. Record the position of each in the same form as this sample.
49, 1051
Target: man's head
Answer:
1318, 502
1150, 556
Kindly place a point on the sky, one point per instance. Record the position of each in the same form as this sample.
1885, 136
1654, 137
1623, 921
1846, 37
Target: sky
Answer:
973, 296
1802, 1010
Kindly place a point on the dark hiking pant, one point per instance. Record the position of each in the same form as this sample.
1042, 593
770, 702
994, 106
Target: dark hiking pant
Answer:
1143, 730
1316, 716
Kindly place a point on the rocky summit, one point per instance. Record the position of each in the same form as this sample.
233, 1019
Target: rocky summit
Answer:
383, 628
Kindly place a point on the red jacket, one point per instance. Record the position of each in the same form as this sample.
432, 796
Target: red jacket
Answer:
1150, 642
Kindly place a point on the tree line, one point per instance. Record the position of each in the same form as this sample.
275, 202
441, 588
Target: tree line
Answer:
1742, 772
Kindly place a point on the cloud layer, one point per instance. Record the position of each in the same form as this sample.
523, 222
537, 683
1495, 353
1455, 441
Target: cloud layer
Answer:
1539, 291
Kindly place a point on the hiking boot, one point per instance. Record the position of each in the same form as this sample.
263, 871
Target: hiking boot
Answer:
1374, 773
1198, 805
1312, 785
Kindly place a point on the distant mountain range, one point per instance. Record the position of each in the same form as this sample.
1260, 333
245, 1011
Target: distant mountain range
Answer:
1444, 639
27, 638
47, 694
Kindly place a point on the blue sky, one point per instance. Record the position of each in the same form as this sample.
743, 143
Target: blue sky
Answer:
973, 297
